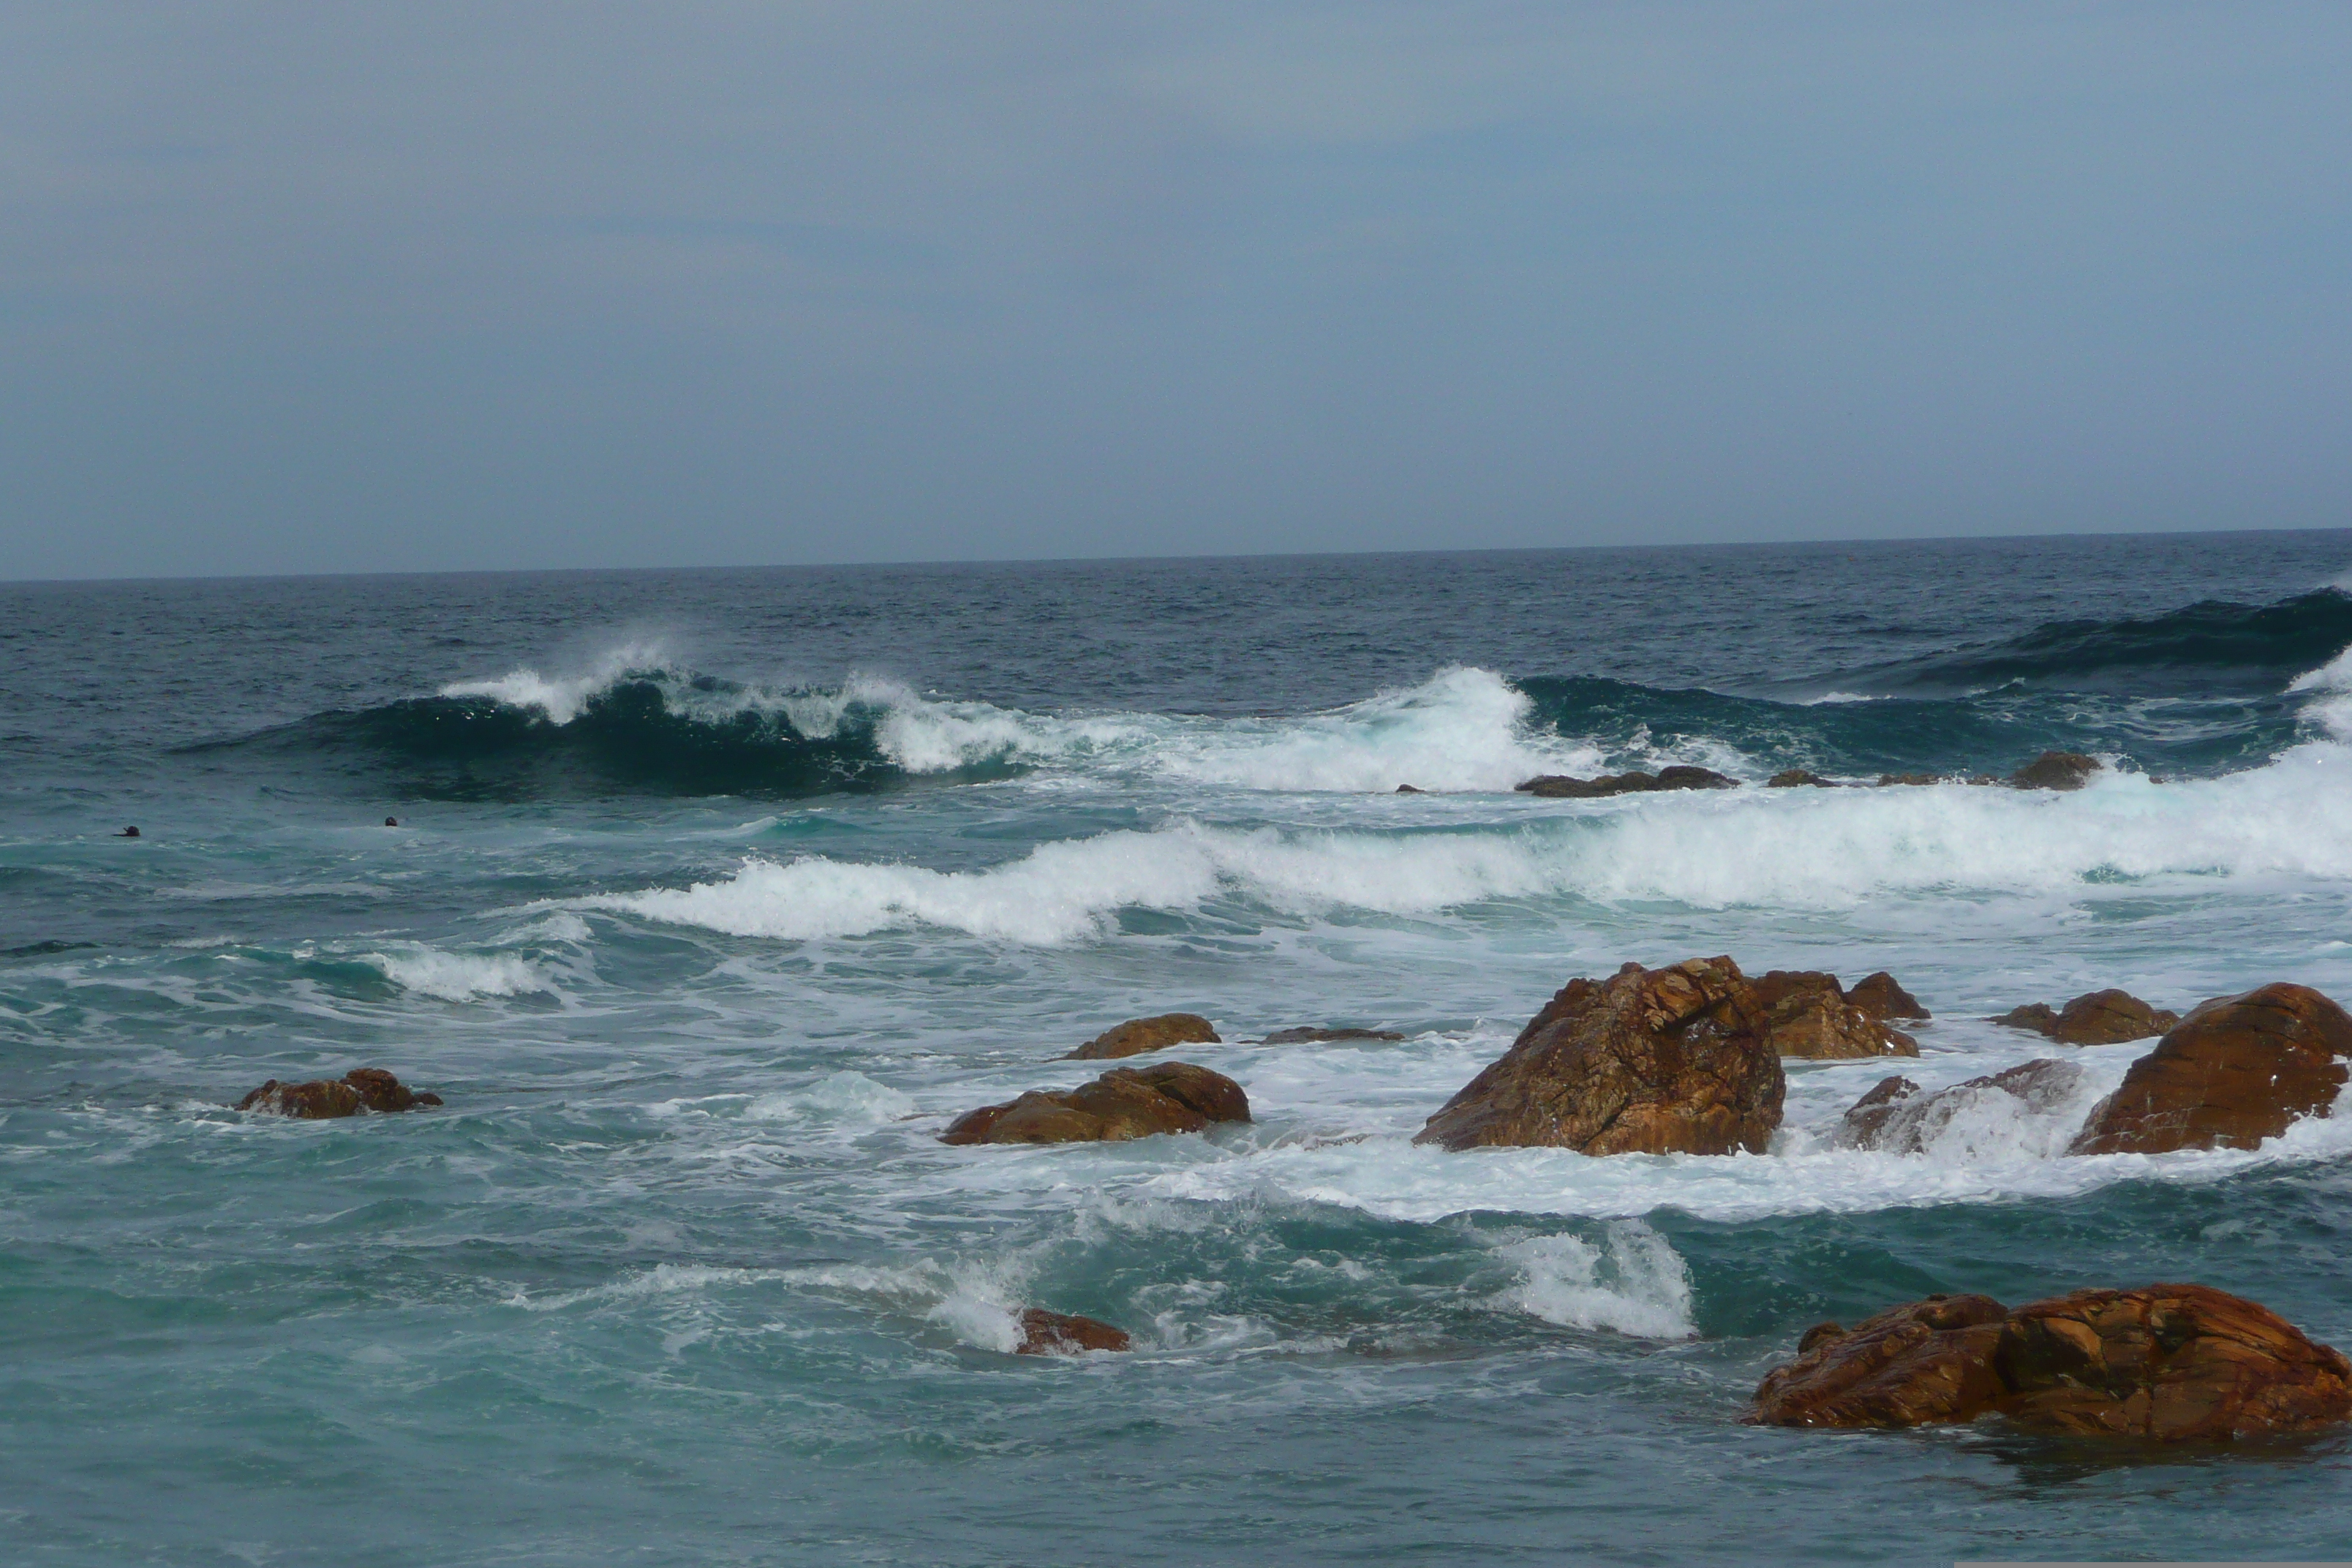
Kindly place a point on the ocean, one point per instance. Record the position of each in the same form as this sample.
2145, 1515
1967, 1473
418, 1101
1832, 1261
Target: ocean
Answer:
716, 894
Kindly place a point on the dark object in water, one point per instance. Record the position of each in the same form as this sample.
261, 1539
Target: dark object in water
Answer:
392, 822
1681, 775
1066, 1334
1408, 789
1140, 1035
1791, 778
2095, 1018
362, 1088
1124, 1102
2055, 770
128, 833
1308, 1035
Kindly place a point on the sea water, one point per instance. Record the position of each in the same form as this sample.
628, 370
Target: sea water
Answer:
716, 894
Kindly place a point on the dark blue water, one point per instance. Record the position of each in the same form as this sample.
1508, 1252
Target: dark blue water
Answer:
717, 893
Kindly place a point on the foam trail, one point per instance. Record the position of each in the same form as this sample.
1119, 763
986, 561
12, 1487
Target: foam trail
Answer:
1642, 1287
457, 976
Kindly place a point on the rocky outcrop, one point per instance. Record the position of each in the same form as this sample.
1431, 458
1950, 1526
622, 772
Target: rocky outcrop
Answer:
1899, 1118
2055, 770
2169, 1363
1124, 1102
2095, 1018
1793, 778
1886, 779
1808, 1015
1882, 996
1066, 1334
1310, 1035
1658, 1062
2235, 1071
1140, 1035
1679, 776
362, 1088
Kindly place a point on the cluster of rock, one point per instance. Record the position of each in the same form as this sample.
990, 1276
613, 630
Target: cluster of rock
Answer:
2095, 1018
2051, 770
2168, 1362
362, 1088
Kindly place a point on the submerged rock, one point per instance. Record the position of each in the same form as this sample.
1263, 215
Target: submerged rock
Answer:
2055, 770
1792, 778
1066, 1334
2095, 1018
1124, 1102
1308, 1035
1655, 1061
1882, 996
321, 1099
1679, 776
2235, 1071
1808, 1015
2168, 1362
1140, 1035
1897, 1118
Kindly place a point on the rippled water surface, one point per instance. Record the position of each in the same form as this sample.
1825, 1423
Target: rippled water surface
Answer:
715, 894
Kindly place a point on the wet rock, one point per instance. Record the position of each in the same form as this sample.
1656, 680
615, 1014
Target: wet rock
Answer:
2095, 1018
1140, 1035
1899, 1118
1806, 1015
1408, 789
321, 1099
1885, 779
1124, 1102
1679, 776
2055, 770
1654, 1062
1882, 996
2235, 1071
1793, 778
1066, 1334
2168, 1362
1307, 1035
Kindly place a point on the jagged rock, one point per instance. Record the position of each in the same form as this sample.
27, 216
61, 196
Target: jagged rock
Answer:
1882, 996
1897, 1118
2235, 1071
1679, 776
1308, 1035
1066, 1334
1140, 1035
1806, 1015
1792, 778
2168, 1362
2055, 770
2095, 1018
1124, 1102
1885, 779
1654, 1062
321, 1099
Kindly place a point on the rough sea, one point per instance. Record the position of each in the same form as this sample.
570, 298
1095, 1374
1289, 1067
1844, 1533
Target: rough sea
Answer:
715, 894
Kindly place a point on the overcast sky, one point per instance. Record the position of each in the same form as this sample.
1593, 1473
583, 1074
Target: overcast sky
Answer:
302, 287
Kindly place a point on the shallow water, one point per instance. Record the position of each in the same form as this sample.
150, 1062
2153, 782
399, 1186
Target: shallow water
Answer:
716, 894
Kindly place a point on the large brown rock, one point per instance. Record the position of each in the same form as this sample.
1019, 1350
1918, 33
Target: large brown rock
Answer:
1656, 1061
1681, 775
2095, 1018
1066, 1334
2168, 1362
2055, 770
2235, 1071
1124, 1102
1883, 996
1807, 1015
1899, 1118
321, 1099
1140, 1035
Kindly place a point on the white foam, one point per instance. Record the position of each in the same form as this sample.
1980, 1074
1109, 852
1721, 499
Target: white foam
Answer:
561, 697
2333, 678
845, 1097
458, 976
1641, 1287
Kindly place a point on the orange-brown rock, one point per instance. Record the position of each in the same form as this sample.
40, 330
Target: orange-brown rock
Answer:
2055, 770
1657, 1062
1140, 1035
362, 1088
1066, 1334
2095, 1018
1882, 996
2235, 1071
1124, 1102
1899, 1118
2168, 1362
1807, 1015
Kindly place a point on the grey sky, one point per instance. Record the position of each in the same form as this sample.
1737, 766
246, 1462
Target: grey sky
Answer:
320, 287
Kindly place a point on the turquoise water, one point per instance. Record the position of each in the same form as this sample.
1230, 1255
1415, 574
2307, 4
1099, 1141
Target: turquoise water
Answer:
716, 895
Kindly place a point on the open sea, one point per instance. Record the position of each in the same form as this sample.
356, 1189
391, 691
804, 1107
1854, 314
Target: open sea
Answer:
716, 894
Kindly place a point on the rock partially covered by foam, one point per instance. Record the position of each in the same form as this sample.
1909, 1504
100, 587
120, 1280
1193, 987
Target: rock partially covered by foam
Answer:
1899, 1118
1799, 778
1124, 1102
1656, 1061
1883, 996
2055, 770
321, 1100
2235, 1071
1140, 1035
1066, 1334
1679, 776
2095, 1018
2168, 1362
1807, 1014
